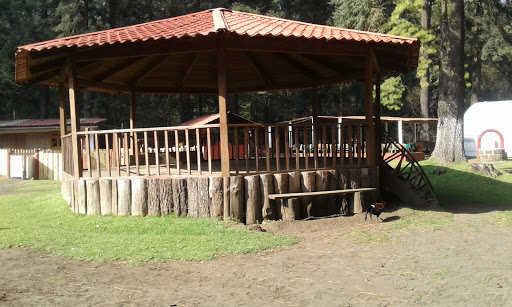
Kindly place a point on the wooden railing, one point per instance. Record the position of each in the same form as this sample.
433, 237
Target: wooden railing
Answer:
264, 148
253, 148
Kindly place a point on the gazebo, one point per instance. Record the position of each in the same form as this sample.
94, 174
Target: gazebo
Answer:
215, 51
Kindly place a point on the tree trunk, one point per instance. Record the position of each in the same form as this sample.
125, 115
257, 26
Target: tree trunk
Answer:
236, 198
252, 200
450, 141
426, 13
267, 187
153, 196
216, 196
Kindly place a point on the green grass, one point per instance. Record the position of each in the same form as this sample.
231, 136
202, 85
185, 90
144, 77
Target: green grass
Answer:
459, 184
37, 217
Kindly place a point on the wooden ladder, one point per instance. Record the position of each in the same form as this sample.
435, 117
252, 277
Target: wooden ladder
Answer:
406, 180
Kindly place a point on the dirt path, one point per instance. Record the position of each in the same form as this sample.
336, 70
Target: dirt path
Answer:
466, 263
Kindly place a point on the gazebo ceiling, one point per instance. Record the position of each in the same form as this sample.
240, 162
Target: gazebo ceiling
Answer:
180, 55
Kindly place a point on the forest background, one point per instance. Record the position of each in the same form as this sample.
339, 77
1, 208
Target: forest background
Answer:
487, 57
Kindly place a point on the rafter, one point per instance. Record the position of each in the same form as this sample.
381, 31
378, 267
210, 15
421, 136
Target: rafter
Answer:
258, 68
118, 68
306, 71
50, 65
188, 70
151, 66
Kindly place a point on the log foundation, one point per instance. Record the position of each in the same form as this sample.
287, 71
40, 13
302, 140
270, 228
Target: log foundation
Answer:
238, 197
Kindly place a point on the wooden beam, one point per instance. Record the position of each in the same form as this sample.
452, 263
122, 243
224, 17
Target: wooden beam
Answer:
375, 62
74, 111
319, 193
294, 63
49, 65
378, 153
44, 76
258, 68
133, 110
224, 137
118, 68
154, 64
370, 144
188, 70
321, 64
62, 109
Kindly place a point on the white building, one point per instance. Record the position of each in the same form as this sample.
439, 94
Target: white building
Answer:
488, 116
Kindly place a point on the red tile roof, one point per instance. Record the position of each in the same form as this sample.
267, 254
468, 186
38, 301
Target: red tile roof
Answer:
212, 21
214, 119
32, 123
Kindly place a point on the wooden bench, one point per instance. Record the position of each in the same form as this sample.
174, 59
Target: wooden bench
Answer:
290, 209
318, 193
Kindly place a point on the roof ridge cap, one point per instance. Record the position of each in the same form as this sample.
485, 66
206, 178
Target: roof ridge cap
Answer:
219, 22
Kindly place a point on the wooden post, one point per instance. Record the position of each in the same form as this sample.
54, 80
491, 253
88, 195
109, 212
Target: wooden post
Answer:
236, 198
115, 197
124, 196
370, 147
267, 187
307, 184
192, 197
153, 196
62, 109
378, 151
291, 209
226, 198
133, 110
215, 196
81, 196
139, 196
252, 200
222, 84
280, 187
93, 197
203, 208
179, 187
106, 196
165, 196
74, 111
314, 100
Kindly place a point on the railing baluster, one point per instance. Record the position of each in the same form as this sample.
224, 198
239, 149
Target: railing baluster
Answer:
257, 148
359, 145
268, 141
187, 146
109, 156
278, 150
209, 149
136, 153
88, 155
198, 151
297, 147
166, 141
126, 153
157, 152
247, 149
315, 144
177, 151
350, 145
324, 145
287, 146
306, 146
236, 137
342, 145
334, 147
146, 153
97, 148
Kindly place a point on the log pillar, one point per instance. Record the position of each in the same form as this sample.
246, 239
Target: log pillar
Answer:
74, 111
223, 121
370, 147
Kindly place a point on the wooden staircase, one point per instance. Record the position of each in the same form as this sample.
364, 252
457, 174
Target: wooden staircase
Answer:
406, 179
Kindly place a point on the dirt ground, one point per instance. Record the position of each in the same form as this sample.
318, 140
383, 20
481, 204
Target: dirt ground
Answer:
466, 263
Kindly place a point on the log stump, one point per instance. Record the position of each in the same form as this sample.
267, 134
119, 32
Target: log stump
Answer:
307, 184
203, 208
280, 187
93, 197
124, 196
192, 197
166, 196
179, 196
81, 196
106, 196
139, 197
236, 198
266, 188
252, 200
226, 187
153, 197
215, 193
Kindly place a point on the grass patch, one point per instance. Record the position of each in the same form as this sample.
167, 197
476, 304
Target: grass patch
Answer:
460, 184
367, 238
421, 219
36, 216
503, 219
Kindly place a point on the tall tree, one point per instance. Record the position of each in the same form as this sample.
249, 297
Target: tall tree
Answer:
426, 15
450, 139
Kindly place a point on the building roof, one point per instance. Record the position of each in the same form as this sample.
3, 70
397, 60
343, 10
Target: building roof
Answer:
214, 119
45, 123
384, 119
182, 55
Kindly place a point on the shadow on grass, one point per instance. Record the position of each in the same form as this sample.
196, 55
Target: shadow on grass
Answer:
460, 191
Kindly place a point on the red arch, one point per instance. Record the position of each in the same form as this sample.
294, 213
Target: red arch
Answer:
478, 142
